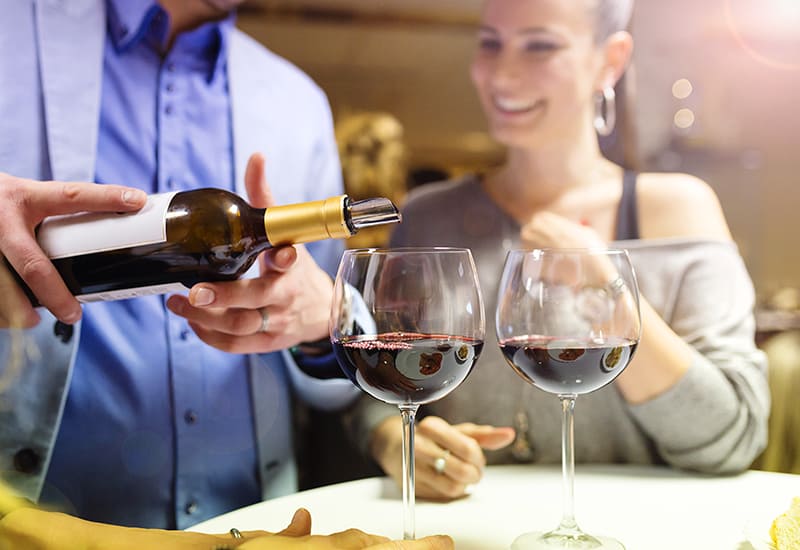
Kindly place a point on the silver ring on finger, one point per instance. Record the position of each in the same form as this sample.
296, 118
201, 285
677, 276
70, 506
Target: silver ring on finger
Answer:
264, 320
441, 463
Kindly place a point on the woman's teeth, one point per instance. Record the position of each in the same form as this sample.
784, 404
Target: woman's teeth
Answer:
514, 105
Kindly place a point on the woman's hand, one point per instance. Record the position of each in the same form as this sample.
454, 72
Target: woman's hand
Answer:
287, 304
461, 446
23, 205
550, 230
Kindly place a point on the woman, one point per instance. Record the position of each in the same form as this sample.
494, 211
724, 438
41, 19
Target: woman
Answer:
695, 395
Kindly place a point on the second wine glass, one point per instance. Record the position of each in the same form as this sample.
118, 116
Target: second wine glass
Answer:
407, 326
568, 323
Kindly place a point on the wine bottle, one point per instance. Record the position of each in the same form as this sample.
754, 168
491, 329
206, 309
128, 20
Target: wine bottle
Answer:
182, 238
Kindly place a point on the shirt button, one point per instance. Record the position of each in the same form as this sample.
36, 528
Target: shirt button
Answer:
168, 109
192, 508
170, 87
171, 67
26, 461
63, 331
190, 416
185, 333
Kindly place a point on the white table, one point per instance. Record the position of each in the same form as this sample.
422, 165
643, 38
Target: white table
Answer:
645, 508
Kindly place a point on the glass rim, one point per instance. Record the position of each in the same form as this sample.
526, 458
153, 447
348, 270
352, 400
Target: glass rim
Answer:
568, 250
405, 249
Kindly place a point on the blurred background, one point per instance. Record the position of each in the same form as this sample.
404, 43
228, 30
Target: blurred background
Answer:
713, 92
716, 85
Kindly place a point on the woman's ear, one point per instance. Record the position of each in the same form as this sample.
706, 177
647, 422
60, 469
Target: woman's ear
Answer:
618, 49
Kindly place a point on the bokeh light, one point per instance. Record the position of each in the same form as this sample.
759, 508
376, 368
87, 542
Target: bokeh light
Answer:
683, 119
682, 88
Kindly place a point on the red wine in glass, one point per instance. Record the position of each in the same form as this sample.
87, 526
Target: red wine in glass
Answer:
568, 322
567, 366
407, 326
407, 367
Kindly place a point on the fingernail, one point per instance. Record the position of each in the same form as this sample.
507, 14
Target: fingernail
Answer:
202, 297
285, 256
131, 197
73, 317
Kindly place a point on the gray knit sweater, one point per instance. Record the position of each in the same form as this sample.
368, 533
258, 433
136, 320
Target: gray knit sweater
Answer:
714, 419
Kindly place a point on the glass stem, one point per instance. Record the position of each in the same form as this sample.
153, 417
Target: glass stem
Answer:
568, 462
408, 413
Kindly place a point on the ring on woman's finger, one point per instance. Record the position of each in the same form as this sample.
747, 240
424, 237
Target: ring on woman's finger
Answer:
441, 463
235, 533
264, 320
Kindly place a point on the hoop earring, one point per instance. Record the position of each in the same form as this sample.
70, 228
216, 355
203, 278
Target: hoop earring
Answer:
605, 106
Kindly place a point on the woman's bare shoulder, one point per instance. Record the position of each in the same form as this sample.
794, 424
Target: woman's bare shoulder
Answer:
679, 205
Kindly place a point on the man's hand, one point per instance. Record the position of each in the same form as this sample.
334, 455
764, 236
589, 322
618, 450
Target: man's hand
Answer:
292, 293
23, 205
460, 445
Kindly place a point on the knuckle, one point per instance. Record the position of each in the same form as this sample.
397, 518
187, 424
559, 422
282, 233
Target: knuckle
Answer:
35, 267
70, 191
355, 535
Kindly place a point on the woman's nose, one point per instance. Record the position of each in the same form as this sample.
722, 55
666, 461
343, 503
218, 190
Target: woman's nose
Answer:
505, 71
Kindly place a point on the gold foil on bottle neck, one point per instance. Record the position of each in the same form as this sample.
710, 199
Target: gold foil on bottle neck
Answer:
307, 221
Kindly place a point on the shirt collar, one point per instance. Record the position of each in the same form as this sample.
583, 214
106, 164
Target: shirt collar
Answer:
133, 21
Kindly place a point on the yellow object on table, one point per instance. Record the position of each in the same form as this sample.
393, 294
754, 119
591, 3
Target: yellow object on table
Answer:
785, 530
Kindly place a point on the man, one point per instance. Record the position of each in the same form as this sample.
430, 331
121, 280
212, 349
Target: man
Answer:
126, 416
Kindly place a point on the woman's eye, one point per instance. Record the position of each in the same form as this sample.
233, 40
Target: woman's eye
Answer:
489, 44
541, 47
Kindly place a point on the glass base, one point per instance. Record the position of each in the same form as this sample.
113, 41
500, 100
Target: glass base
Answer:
554, 540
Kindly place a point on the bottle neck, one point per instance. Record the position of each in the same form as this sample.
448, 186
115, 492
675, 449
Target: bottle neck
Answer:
307, 221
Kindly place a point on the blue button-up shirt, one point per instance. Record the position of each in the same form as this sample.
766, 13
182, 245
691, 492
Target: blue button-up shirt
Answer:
157, 429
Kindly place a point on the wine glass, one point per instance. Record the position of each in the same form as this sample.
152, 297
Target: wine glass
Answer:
407, 326
568, 322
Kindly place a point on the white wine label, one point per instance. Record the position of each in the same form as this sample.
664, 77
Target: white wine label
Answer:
131, 293
90, 232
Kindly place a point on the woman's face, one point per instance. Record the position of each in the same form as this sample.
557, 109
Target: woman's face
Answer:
535, 70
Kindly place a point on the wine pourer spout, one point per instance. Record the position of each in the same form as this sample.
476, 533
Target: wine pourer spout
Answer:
370, 212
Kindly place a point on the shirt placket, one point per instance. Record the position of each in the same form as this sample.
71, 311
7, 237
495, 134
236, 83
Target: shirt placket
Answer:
186, 380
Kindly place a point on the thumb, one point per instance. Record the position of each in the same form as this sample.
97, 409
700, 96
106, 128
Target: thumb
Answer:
259, 194
300, 525
489, 437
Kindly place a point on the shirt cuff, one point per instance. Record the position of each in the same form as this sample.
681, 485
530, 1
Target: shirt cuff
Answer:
322, 367
325, 394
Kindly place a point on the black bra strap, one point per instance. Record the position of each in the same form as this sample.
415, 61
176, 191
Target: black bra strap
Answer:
627, 213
